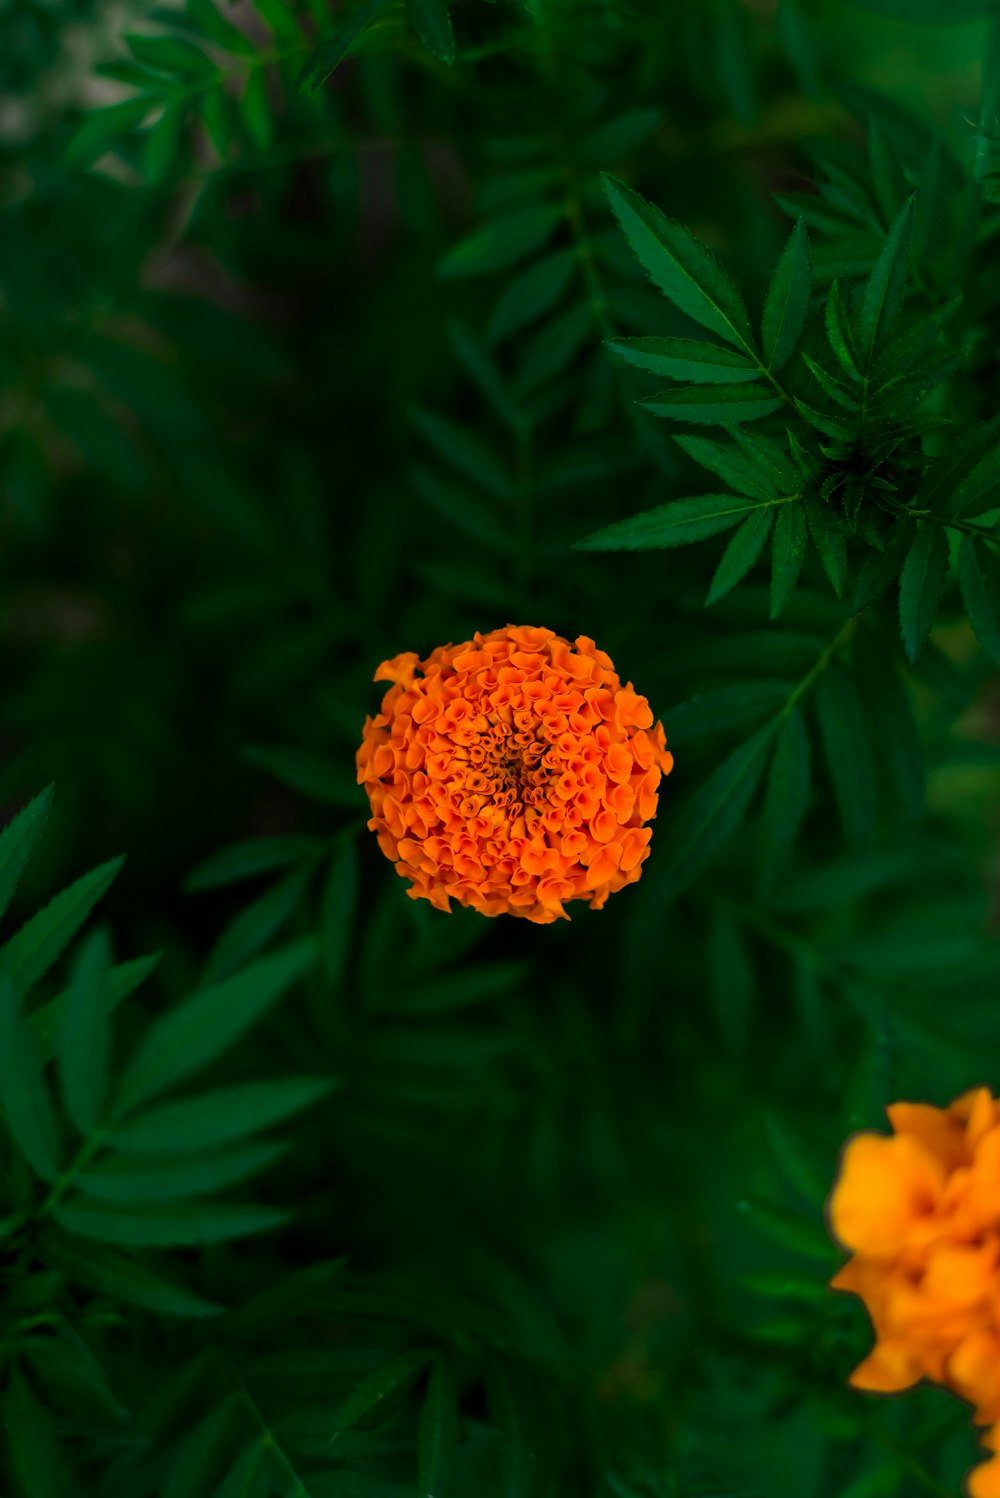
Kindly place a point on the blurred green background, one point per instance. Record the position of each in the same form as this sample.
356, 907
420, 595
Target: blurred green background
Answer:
260, 428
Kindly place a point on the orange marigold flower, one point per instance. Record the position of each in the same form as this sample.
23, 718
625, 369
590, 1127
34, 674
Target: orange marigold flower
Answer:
512, 773
920, 1211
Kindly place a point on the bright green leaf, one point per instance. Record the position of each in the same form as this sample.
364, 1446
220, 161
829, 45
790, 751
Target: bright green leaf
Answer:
787, 304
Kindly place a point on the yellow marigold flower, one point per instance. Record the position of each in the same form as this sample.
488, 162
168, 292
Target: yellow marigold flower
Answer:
920, 1211
512, 773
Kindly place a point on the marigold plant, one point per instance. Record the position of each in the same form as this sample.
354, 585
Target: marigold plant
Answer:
512, 773
921, 1213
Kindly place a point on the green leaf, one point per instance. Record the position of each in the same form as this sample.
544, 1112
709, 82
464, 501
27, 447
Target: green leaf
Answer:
871, 1087
920, 585
469, 512
101, 128
123, 1279
904, 351
194, 1033
715, 405
338, 911
220, 1116
32, 1441
787, 304
256, 924
42, 940
24, 1092
310, 774
130, 1182
205, 1453
790, 1230
256, 109
432, 24
334, 49
716, 809
942, 483
828, 538
830, 386
980, 491
788, 550
731, 985
722, 711
618, 136
685, 359
438, 1434
531, 294
472, 356
373, 1397
979, 576
169, 1226
785, 800
85, 1034
683, 269
848, 753
502, 242
839, 335
796, 1163
171, 55
552, 349
880, 568
464, 452
741, 553
18, 841
46, 1021
474, 984
886, 286
896, 736
248, 859
740, 470
676, 524
161, 142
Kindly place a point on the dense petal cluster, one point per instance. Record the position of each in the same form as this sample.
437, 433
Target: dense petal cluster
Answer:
512, 773
920, 1211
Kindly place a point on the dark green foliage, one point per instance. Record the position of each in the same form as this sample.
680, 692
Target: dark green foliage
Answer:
331, 331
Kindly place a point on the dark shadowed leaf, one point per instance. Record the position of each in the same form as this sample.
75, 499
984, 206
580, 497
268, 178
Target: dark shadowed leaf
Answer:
334, 48
32, 1443
168, 1226
375, 1396
24, 1091
979, 575
123, 1279
207, 1024
502, 243
438, 1434
920, 584
894, 729
42, 940
433, 25
848, 753
17, 843
785, 800
716, 809
220, 1116
886, 286
340, 898
85, 1038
